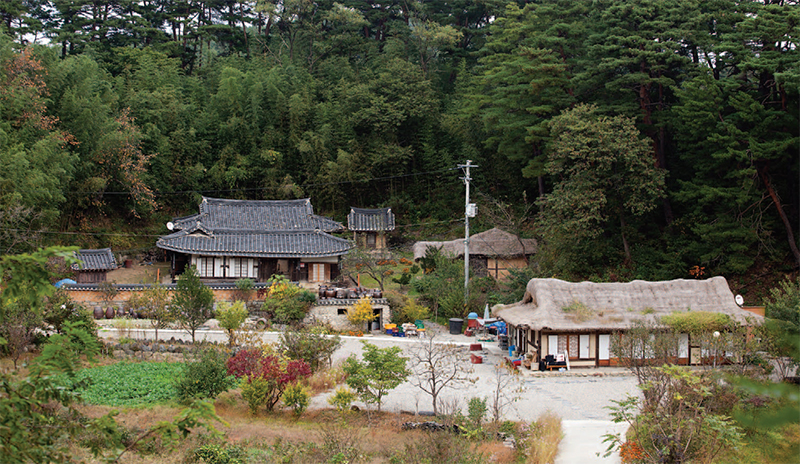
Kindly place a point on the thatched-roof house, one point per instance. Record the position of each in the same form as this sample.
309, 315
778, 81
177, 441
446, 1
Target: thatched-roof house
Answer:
93, 265
493, 252
578, 318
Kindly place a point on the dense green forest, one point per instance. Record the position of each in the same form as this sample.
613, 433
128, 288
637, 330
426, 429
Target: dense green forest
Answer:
634, 139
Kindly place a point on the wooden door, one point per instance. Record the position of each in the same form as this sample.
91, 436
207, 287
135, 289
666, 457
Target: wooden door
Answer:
603, 349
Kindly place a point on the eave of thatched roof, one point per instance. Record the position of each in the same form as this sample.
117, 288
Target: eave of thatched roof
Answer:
615, 306
493, 242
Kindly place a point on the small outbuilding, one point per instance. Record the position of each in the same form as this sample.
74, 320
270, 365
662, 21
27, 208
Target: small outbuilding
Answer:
494, 252
370, 226
578, 319
93, 265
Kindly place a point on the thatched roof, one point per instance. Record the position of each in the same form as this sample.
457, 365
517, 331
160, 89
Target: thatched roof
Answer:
493, 242
613, 306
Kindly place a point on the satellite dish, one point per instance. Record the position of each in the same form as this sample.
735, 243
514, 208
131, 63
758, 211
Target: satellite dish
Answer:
739, 300
170, 225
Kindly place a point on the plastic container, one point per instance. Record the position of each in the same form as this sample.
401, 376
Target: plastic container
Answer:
456, 325
511, 350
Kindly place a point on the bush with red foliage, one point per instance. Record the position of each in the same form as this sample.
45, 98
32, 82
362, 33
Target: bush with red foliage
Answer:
244, 363
273, 373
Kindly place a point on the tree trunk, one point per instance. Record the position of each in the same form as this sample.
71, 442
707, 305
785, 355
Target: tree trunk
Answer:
762, 172
625, 246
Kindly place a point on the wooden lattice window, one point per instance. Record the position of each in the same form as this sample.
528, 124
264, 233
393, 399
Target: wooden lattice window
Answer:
205, 266
239, 267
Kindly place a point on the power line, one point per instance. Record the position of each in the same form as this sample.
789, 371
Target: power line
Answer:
250, 189
32, 232
77, 233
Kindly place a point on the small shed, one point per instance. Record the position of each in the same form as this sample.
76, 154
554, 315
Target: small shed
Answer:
93, 265
370, 226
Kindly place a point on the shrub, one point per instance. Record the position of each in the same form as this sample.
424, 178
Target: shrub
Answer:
342, 399
205, 376
244, 363
313, 348
287, 302
476, 411
406, 276
220, 454
59, 309
296, 397
266, 377
281, 288
681, 427
411, 311
231, 317
256, 391
361, 312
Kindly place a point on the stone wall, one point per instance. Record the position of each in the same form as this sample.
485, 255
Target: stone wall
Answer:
330, 314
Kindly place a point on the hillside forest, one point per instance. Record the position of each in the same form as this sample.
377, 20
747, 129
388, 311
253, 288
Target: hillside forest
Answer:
632, 139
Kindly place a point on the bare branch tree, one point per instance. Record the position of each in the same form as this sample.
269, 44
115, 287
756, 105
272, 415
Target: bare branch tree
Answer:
437, 366
508, 386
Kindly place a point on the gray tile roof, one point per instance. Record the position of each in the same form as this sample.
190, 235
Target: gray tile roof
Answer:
95, 260
374, 220
256, 243
216, 213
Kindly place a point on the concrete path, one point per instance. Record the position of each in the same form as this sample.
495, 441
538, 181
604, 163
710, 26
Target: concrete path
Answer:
583, 440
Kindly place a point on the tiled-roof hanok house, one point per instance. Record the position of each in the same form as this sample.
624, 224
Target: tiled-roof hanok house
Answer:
369, 226
233, 239
94, 265
548, 318
494, 252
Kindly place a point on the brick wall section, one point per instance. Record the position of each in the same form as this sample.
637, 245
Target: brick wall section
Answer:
92, 298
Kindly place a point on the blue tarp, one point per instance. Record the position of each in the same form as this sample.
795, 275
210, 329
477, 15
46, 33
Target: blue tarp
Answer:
63, 282
500, 326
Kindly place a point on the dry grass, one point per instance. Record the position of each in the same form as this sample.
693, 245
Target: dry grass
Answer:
497, 452
326, 379
316, 437
545, 436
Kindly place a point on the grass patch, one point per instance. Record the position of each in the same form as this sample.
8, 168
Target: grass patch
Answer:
130, 384
778, 445
578, 311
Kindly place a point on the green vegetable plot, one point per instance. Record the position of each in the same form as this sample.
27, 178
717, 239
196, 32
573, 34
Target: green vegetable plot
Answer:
128, 384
